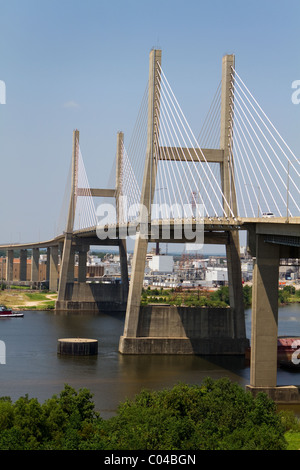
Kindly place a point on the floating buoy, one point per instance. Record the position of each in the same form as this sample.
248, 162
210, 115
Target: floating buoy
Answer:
77, 346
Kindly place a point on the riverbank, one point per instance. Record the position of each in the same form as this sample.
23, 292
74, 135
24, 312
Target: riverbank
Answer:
20, 299
24, 299
202, 297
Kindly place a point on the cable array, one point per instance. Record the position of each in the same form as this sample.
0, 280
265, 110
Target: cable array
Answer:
209, 136
133, 162
130, 191
85, 213
183, 171
266, 170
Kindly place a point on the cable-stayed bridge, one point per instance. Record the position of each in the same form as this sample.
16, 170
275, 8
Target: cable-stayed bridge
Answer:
173, 186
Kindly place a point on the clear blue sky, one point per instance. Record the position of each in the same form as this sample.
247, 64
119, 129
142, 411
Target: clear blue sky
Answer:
84, 64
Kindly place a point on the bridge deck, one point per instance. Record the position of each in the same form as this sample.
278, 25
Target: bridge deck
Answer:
265, 226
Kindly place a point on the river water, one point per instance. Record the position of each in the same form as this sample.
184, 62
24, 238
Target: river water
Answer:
33, 367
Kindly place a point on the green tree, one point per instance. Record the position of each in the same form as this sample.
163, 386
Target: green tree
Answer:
66, 417
59, 423
247, 294
222, 294
283, 296
216, 415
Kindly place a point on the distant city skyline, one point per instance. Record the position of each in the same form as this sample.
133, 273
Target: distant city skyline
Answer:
71, 65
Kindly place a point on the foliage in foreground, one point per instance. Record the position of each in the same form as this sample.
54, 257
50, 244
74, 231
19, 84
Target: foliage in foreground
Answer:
293, 440
216, 415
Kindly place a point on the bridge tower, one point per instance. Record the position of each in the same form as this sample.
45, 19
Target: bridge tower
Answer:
67, 262
147, 194
76, 293
179, 330
229, 192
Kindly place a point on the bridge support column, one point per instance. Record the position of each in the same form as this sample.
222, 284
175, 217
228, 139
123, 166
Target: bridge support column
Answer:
23, 265
10, 265
71, 266
53, 271
264, 361
35, 265
82, 260
135, 290
60, 250
264, 315
48, 264
67, 268
264, 334
124, 268
235, 283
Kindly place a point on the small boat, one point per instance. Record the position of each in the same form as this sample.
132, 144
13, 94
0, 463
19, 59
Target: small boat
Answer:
7, 313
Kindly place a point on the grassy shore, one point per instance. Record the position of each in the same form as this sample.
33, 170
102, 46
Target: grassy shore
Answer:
20, 299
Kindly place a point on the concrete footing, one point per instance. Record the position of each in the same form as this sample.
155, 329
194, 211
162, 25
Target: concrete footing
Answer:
181, 346
289, 394
184, 330
85, 297
93, 307
77, 347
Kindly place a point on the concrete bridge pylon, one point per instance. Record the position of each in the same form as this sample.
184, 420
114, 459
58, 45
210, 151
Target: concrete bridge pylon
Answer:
147, 330
77, 294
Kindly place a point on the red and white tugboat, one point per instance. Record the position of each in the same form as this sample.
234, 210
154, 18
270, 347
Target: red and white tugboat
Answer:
7, 313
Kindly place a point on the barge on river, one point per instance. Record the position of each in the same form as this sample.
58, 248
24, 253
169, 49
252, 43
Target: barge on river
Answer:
288, 352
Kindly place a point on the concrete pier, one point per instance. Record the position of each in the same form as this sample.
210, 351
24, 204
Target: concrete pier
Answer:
23, 265
9, 265
35, 265
92, 298
184, 330
77, 347
53, 269
82, 260
267, 249
264, 315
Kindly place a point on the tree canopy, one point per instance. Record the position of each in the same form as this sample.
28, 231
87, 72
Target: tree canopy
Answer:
213, 416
